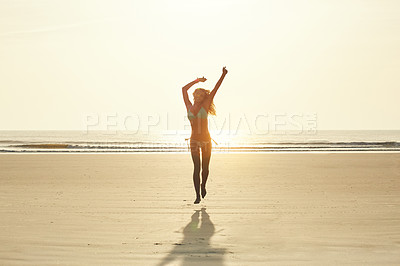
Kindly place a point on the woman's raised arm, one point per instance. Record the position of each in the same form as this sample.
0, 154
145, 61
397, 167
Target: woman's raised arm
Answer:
187, 87
219, 82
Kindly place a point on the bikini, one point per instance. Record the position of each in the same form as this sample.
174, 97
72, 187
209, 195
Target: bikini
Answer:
202, 114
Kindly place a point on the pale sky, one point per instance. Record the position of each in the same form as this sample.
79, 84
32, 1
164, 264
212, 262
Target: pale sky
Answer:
62, 60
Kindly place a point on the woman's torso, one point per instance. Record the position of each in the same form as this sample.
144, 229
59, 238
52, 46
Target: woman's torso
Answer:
198, 117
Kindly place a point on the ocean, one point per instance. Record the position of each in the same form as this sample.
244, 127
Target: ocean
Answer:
162, 142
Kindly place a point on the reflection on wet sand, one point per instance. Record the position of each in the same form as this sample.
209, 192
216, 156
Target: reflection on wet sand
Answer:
195, 247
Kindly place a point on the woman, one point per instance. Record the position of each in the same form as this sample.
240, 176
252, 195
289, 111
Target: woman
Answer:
200, 138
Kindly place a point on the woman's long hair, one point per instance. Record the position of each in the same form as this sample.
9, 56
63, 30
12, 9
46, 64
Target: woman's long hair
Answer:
200, 95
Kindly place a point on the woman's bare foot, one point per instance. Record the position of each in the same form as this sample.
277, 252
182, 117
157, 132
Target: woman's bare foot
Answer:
203, 190
197, 201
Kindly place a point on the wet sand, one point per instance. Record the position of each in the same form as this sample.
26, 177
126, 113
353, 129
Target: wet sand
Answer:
261, 209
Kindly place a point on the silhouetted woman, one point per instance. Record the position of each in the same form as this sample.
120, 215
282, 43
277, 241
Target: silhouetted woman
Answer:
200, 138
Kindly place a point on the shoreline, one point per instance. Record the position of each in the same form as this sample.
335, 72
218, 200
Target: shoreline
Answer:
213, 152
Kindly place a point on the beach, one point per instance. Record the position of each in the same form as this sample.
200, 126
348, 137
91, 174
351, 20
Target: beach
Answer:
261, 209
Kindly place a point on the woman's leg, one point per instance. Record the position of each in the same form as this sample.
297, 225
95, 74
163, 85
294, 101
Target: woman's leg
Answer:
195, 151
205, 157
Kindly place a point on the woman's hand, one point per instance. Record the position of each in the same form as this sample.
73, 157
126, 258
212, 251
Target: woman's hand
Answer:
201, 79
224, 71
